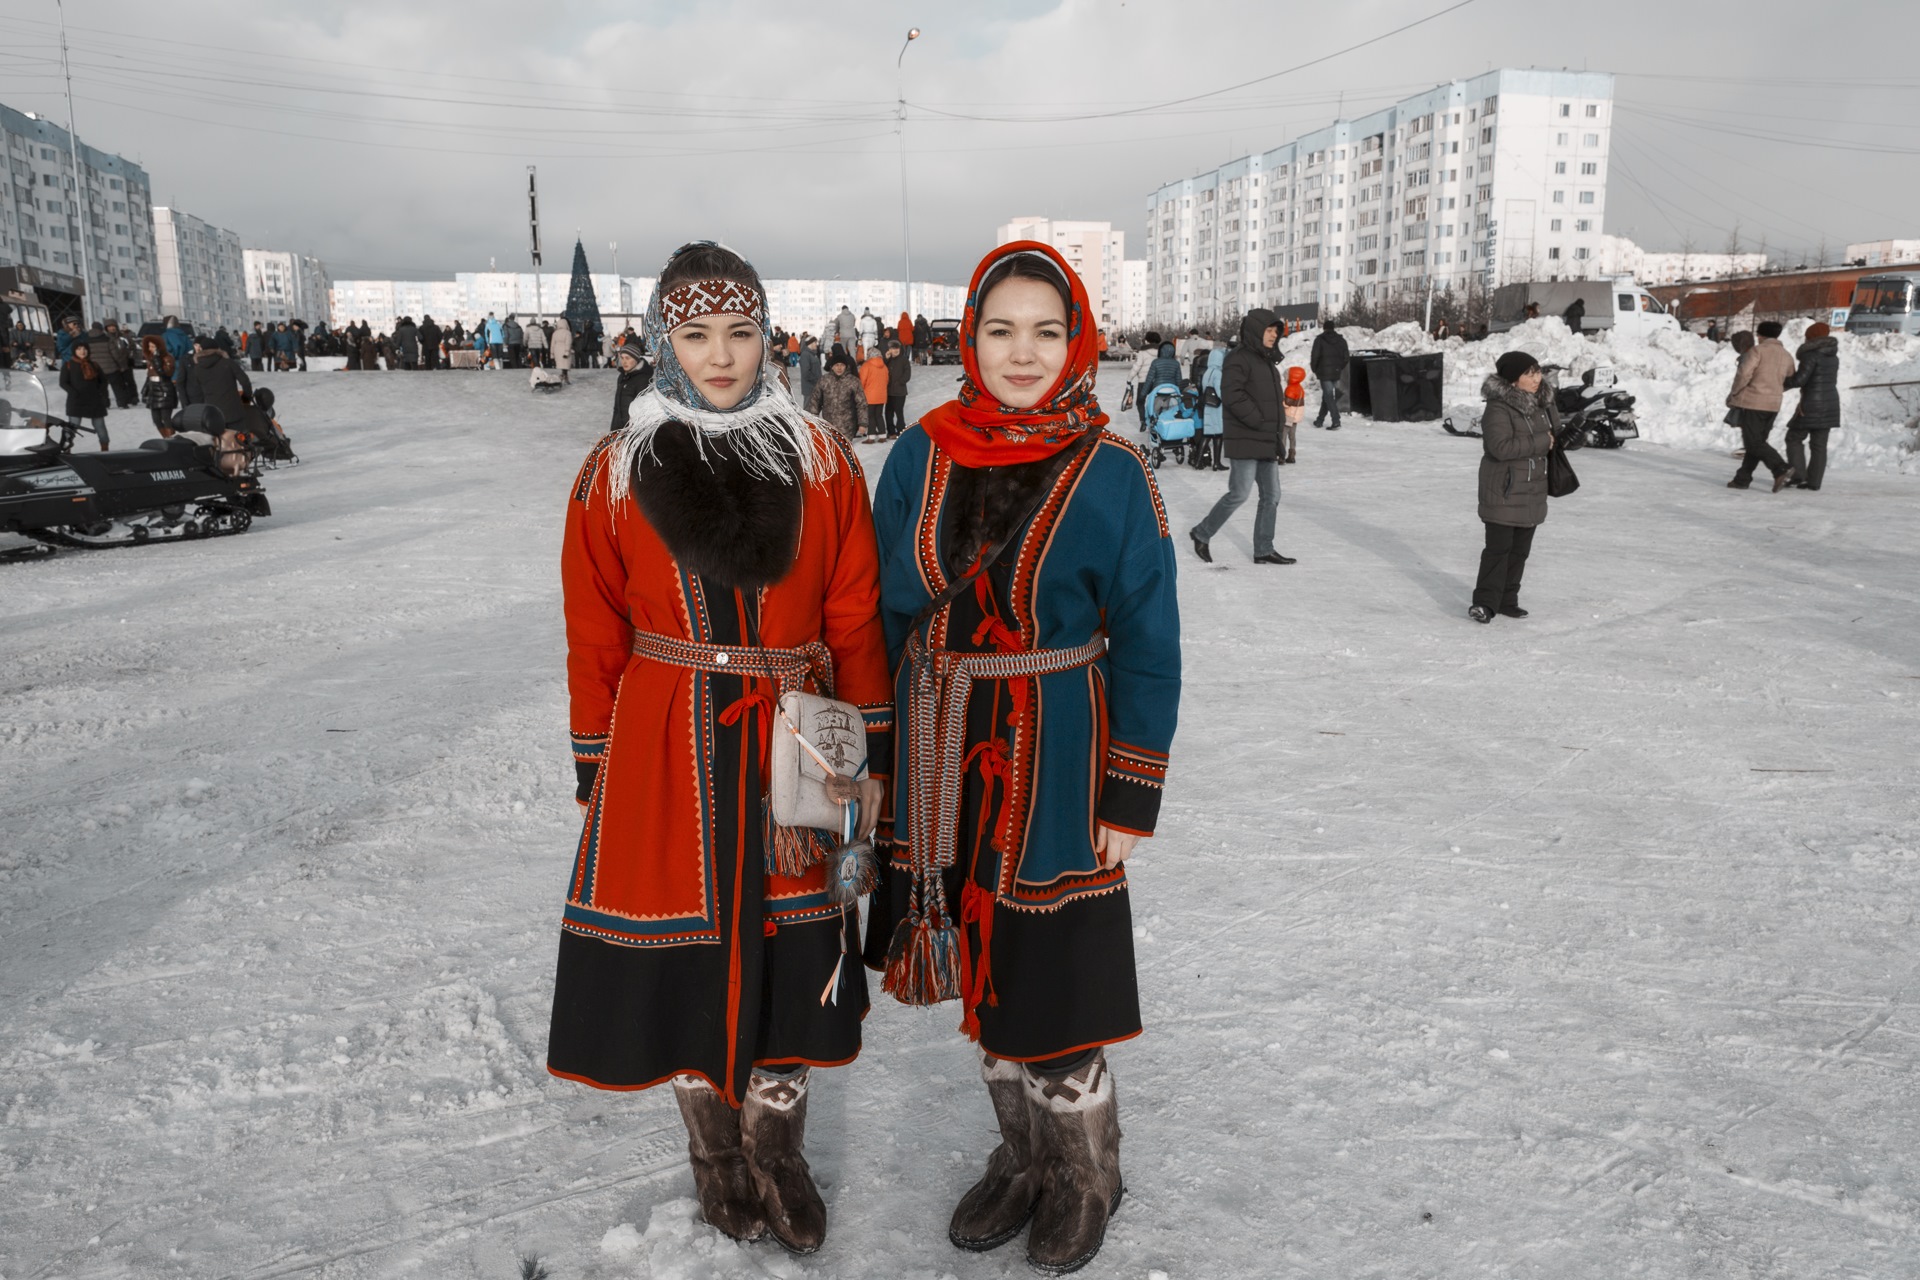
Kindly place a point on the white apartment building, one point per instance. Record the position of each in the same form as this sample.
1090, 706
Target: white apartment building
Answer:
40, 217
797, 305
287, 286
1884, 253
1093, 249
203, 271
1620, 256
1469, 185
1133, 294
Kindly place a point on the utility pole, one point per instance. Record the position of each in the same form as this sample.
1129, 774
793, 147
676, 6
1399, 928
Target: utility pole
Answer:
533, 230
906, 239
81, 190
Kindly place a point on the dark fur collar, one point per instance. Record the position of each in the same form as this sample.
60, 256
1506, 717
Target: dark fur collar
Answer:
983, 503
719, 522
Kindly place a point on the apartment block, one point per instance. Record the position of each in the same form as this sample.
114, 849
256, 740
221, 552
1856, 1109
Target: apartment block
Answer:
1469, 185
1094, 249
98, 231
203, 271
287, 286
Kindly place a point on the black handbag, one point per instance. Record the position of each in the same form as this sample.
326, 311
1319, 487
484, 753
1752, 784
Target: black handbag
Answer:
1560, 478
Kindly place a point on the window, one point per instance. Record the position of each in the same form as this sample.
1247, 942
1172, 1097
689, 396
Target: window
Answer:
1626, 302
1486, 136
1586, 197
1554, 225
1453, 148
1585, 224
1589, 168
1560, 139
1589, 139
1559, 166
1559, 197
1582, 254
1553, 254
1593, 111
1566, 108
114, 183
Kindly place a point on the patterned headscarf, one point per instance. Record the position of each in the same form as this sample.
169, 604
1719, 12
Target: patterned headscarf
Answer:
977, 429
767, 431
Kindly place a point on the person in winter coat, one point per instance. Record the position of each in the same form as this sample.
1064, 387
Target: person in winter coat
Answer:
406, 343
1293, 408
869, 334
707, 570
256, 346
873, 384
561, 344
846, 329
1328, 360
64, 338
636, 375
1818, 378
1250, 393
903, 333
838, 397
1576, 315
216, 378
1207, 450
899, 374
1759, 386
1024, 554
922, 339
536, 337
1163, 369
809, 363
179, 344
516, 341
430, 339
1516, 437
86, 388
158, 392
1141, 371
114, 359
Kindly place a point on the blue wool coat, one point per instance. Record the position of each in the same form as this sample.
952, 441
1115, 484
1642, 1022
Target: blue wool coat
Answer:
1097, 557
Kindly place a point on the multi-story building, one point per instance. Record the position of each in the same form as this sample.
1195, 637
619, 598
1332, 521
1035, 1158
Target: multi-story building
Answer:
1094, 250
1466, 186
1620, 256
111, 251
287, 286
797, 305
1883, 253
203, 271
1133, 294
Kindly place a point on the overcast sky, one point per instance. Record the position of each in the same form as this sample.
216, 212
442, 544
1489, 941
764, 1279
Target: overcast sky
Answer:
392, 139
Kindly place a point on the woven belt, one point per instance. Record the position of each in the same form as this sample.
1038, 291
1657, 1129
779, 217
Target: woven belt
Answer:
789, 669
940, 681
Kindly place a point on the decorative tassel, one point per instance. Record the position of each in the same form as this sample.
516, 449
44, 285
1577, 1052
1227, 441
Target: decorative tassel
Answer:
852, 873
923, 963
792, 850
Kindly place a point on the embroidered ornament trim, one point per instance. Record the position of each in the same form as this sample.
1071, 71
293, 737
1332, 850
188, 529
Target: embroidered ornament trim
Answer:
710, 298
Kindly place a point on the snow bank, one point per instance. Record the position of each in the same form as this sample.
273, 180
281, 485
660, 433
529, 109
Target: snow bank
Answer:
1681, 380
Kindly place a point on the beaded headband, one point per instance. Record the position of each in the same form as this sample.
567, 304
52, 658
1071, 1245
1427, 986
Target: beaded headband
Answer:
699, 298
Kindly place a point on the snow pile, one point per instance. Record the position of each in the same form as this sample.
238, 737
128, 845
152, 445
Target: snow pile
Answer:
1680, 381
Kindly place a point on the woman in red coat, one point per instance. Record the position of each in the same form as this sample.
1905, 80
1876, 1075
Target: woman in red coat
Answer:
719, 552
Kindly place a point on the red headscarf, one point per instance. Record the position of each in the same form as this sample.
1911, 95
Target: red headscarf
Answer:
979, 431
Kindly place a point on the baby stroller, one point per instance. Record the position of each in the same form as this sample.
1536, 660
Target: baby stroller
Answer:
1173, 415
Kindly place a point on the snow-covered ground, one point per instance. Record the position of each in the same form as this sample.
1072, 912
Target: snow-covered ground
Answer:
1575, 947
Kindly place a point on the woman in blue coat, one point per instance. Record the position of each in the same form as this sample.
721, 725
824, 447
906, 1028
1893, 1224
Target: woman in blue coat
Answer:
1027, 591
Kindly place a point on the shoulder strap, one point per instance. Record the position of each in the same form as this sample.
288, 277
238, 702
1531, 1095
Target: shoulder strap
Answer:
991, 552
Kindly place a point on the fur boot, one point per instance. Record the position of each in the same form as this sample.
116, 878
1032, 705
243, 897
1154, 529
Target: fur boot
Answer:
1077, 1142
727, 1197
773, 1130
996, 1207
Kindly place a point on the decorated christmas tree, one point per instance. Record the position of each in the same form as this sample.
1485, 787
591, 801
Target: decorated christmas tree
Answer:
583, 308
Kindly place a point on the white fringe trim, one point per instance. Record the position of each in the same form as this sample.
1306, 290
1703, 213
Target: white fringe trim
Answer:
769, 438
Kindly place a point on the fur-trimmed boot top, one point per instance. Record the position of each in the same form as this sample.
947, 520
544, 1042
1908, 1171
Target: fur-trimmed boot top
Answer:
719, 519
773, 1131
727, 1197
1076, 1128
996, 1207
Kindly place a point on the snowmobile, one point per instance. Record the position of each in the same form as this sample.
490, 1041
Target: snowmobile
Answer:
1173, 415
1592, 415
164, 491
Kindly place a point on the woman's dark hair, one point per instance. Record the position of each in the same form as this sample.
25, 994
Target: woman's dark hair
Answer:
1515, 365
704, 260
1027, 266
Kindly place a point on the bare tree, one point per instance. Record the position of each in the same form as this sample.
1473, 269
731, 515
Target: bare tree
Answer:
1733, 248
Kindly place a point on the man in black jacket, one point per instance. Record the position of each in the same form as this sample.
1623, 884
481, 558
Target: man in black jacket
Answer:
899, 374
1250, 394
1328, 360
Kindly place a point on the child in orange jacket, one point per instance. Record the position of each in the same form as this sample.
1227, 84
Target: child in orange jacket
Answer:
1293, 408
873, 381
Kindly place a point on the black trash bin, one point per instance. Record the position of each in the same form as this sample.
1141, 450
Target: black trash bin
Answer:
1389, 387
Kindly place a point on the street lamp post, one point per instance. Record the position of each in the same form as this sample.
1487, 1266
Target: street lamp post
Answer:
906, 239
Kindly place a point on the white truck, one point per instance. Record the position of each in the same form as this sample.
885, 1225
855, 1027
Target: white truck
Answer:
1618, 304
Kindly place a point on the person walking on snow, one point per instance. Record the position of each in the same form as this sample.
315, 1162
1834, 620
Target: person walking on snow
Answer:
718, 553
1251, 394
899, 374
873, 384
838, 398
1818, 378
869, 334
846, 330
1759, 387
561, 344
536, 338
1138, 376
1328, 360
809, 363
1024, 555
1293, 407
